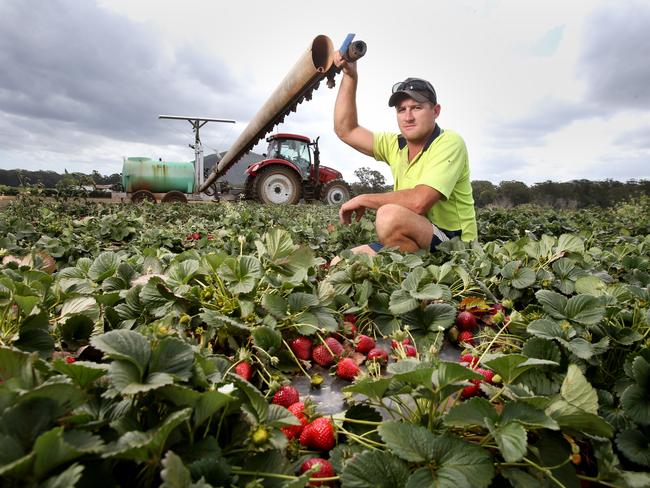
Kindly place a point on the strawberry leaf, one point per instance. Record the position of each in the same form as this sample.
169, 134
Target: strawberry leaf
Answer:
373, 469
475, 411
450, 461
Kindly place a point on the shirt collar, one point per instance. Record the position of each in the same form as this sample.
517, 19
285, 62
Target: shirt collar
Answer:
436, 132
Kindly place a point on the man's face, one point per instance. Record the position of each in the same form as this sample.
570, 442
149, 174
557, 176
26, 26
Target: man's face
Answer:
416, 120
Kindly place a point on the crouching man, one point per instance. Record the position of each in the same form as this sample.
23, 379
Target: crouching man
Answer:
432, 200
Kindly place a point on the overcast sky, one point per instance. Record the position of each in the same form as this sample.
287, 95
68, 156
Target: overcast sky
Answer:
553, 90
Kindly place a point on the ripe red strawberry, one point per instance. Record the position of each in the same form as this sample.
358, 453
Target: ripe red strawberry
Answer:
70, 359
349, 317
347, 369
318, 435
245, 370
487, 374
335, 346
286, 396
466, 336
322, 356
196, 236
471, 390
466, 321
468, 358
293, 431
405, 342
410, 351
349, 329
377, 354
497, 307
364, 343
301, 347
325, 470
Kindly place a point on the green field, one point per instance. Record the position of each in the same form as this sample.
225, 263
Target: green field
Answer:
123, 330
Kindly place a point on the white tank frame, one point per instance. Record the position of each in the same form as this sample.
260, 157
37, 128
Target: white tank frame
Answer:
197, 123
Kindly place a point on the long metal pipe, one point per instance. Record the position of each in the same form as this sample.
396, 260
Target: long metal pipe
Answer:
297, 85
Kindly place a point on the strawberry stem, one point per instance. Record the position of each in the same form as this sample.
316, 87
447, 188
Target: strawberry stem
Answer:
296, 359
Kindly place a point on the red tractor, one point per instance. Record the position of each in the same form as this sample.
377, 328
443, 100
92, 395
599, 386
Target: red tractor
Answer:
292, 171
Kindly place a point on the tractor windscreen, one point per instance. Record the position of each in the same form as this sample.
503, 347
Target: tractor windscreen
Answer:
296, 152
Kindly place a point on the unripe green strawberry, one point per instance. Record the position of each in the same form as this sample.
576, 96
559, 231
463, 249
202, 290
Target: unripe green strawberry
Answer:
260, 435
498, 317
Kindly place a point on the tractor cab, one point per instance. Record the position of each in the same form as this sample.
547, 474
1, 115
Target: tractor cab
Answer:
290, 171
293, 149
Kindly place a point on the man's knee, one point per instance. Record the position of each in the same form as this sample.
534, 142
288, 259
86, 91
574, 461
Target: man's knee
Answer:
390, 220
388, 216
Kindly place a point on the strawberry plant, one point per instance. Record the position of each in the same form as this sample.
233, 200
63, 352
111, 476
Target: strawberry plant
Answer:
133, 355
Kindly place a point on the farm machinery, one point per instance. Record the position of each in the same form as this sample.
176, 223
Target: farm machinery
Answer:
291, 169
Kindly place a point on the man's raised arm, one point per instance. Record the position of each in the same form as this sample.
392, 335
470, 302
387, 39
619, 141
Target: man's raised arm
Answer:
346, 124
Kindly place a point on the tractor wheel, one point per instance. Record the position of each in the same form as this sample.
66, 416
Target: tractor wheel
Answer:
278, 185
336, 192
174, 196
143, 196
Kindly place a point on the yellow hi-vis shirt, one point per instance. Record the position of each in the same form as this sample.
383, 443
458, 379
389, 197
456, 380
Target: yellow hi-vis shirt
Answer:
443, 165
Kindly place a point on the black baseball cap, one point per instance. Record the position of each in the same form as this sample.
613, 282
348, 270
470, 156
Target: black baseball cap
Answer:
416, 88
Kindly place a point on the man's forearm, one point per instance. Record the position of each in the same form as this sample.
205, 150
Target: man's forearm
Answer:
413, 199
345, 108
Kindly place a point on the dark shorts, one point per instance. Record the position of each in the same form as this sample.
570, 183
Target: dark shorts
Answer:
436, 240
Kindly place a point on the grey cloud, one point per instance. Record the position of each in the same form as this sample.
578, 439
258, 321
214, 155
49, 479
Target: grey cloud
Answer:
82, 69
547, 117
615, 60
639, 138
614, 65
618, 168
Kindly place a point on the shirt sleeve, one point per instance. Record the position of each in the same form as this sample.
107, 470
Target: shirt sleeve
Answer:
383, 145
444, 165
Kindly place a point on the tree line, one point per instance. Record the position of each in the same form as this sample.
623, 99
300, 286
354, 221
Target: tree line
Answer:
52, 179
569, 194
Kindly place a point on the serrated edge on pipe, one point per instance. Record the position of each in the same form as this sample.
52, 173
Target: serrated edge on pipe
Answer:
297, 85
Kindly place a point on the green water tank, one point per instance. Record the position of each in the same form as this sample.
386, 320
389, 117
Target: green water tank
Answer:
157, 176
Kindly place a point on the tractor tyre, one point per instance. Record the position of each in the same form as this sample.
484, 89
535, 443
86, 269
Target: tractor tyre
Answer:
278, 185
143, 196
174, 196
336, 192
